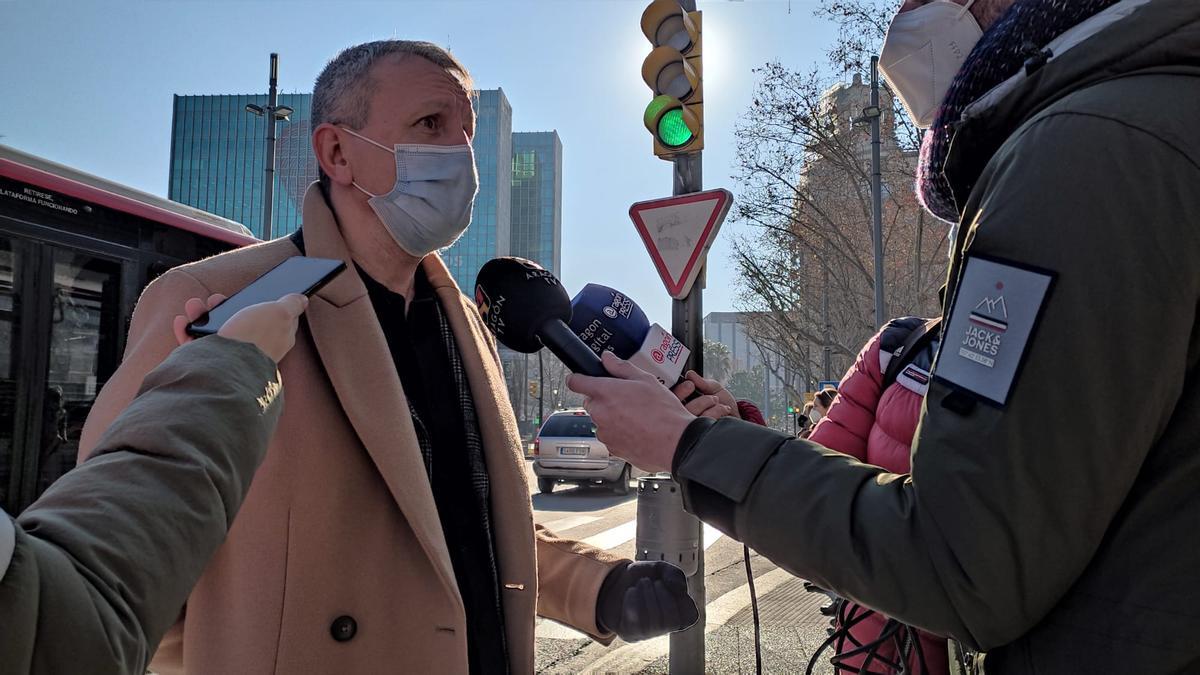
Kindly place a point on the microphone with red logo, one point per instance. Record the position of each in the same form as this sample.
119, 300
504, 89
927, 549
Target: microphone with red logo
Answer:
607, 320
527, 308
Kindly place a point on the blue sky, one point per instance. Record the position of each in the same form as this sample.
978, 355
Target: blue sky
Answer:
89, 84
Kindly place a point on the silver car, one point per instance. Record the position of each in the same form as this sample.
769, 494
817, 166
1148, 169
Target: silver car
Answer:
566, 450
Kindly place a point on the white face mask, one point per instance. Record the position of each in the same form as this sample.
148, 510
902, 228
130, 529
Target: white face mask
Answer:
924, 50
815, 415
430, 206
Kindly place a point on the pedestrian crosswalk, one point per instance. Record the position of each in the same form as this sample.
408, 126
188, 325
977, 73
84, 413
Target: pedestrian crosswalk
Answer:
629, 657
559, 525
609, 539
611, 524
613, 537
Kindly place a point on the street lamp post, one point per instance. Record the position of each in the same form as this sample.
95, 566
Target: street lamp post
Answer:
877, 194
274, 113
873, 115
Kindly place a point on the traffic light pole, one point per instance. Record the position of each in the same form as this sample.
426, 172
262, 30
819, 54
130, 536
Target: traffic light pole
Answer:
687, 316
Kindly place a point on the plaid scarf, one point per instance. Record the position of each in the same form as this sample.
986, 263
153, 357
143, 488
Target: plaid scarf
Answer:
473, 446
1017, 36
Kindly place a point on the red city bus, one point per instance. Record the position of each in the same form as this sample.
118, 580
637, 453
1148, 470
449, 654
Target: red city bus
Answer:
75, 253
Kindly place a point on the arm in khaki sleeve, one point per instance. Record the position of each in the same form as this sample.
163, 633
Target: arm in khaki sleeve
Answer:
151, 339
960, 546
106, 557
570, 574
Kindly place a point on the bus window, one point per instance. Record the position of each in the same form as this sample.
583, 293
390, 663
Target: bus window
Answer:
10, 331
84, 325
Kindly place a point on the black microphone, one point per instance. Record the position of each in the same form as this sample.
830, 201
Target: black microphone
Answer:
526, 308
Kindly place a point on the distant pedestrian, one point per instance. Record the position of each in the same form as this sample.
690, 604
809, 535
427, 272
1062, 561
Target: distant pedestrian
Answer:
822, 401
804, 422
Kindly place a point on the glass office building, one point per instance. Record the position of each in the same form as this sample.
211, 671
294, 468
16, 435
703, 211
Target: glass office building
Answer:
537, 198
218, 156
487, 237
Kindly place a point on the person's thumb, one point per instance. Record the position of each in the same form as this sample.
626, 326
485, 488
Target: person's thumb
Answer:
703, 384
294, 304
622, 369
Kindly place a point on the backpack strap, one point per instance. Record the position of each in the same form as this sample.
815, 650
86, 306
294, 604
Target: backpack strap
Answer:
916, 341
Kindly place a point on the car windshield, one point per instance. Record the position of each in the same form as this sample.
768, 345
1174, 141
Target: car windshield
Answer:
579, 426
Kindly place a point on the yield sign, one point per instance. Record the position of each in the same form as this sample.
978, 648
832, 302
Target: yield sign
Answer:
677, 232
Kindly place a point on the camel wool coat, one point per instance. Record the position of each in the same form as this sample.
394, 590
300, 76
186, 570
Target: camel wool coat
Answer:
337, 562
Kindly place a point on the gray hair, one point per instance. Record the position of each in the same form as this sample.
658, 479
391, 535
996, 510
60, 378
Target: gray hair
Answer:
342, 93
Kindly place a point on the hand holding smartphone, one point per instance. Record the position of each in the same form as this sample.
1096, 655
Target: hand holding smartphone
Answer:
299, 274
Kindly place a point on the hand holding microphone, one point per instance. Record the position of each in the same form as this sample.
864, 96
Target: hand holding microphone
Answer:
526, 308
714, 398
608, 320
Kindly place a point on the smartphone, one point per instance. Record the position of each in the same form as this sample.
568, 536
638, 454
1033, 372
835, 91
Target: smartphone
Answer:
299, 274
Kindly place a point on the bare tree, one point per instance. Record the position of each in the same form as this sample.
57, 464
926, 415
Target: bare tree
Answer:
861, 26
806, 272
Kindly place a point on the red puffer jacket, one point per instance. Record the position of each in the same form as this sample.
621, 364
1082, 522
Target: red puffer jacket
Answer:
877, 427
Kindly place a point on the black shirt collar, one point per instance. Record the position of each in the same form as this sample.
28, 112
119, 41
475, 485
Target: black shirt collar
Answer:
422, 289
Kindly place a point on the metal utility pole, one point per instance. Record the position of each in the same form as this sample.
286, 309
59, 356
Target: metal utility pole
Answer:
541, 389
827, 366
876, 116
273, 113
687, 324
674, 117
524, 416
766, 367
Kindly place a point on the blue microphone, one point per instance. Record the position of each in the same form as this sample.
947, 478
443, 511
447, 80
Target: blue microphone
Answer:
607, 320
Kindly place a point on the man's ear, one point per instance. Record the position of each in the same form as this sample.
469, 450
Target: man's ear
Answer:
327, 146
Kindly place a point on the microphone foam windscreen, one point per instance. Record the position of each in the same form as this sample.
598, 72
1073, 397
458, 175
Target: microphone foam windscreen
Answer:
516, 297
606, 319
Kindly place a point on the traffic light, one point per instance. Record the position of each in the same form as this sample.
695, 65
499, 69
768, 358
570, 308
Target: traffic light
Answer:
534, 388
674, 72
791, 410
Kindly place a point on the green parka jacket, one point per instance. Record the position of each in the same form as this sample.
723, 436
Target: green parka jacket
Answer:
1052, 514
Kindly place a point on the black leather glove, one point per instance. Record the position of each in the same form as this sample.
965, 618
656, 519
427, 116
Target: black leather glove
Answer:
645, 599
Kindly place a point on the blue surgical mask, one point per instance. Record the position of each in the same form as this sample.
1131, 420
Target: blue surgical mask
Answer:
430, 206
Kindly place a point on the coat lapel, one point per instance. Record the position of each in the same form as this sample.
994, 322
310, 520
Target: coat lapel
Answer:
512, 515
359, 364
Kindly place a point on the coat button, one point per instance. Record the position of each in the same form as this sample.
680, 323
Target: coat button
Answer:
343, 628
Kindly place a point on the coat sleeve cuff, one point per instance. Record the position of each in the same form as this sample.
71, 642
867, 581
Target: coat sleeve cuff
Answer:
570, 575
716, 464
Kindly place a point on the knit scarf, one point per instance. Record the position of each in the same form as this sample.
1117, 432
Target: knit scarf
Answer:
1019, 34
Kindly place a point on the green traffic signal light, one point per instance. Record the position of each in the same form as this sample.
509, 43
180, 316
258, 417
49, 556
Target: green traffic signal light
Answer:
655, 108
673, 132
673, 124
673, 71
791, 410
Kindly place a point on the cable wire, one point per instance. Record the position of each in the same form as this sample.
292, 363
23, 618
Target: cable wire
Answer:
754, 611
